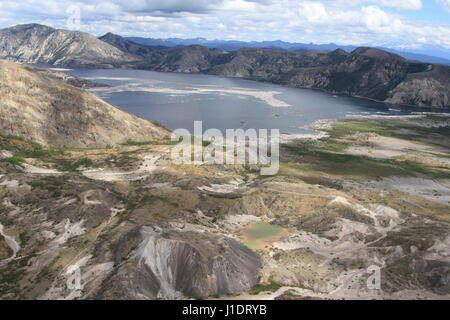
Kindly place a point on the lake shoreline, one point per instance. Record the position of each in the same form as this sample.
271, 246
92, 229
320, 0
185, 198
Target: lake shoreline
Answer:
224, 102
428, 108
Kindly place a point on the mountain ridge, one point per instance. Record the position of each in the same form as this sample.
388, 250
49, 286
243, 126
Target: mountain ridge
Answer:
34, 43
426, 56
364, 72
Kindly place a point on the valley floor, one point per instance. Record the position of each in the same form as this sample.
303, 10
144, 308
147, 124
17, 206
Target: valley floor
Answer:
129, 223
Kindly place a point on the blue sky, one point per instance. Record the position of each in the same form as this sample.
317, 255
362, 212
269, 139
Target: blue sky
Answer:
397, 23
432, 11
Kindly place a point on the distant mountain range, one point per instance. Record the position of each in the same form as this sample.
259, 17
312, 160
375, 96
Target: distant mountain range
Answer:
429, 54
363, 72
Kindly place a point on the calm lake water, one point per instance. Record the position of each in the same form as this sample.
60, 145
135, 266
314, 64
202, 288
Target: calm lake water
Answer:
176, 100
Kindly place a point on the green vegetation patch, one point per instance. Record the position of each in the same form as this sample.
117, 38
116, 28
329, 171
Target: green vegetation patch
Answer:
22, 149
60, 158
413, 133
259, 288
362, 167
153, 142
15, 160
340, 129
29, 149
328, 155
72, 165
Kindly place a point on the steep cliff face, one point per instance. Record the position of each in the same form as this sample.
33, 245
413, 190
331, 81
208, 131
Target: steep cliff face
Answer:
365, 72
41, 44
173, 265
429, 88
49, 111
268, 64
191, 59
376, 74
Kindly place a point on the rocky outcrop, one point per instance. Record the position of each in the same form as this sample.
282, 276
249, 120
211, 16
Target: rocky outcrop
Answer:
267, 64
49, 111
186, 59
33, 43
192, 59
429, 88
365, 72
173, 265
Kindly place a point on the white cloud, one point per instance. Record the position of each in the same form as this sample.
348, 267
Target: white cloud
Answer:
356, 22
402, 4
398, 4
313, 12
376, 19
445, 4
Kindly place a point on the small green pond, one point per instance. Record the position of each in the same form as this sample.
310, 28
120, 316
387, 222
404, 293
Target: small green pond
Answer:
255, 235
260, 231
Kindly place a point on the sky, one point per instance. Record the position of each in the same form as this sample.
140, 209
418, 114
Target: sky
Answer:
394, 23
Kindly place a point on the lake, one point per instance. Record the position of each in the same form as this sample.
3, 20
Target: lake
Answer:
258, 236
176, 100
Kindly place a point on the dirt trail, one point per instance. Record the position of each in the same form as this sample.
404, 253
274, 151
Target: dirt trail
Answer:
148, 166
